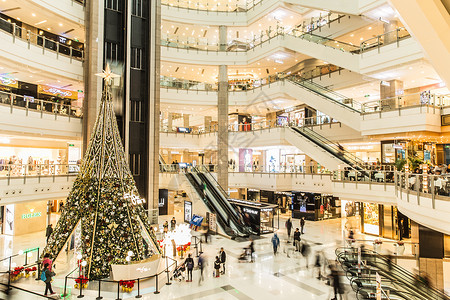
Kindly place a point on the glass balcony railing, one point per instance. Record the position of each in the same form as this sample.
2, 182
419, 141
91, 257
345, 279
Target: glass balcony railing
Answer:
35, 170
424, 184
32, 104
240, 45
62, 46
223, 6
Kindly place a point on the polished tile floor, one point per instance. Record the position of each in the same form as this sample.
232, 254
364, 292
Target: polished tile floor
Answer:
270, 277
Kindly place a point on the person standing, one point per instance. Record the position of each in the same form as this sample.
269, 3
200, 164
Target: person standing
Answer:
217, 267
189, 263
297, 239
166, 227
173, 223
275, 243
223, 259
49, 231
302, 224
289, 228
48, 280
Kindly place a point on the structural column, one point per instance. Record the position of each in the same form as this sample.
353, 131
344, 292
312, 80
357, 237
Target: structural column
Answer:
185, 120
208, 120
389, 90
390, 33
222, 38
93, 64
222, 136
154, 110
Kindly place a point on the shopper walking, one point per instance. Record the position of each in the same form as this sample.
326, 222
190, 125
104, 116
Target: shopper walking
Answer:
337, 288
46, 276
289, 228
297, 240
189, 263
201, 265
251, 247
47, 261
173, 223
302, 224
49, 231
275, 243
223, 259
217, 267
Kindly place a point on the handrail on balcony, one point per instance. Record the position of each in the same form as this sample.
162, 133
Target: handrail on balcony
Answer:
43, 106
25, 34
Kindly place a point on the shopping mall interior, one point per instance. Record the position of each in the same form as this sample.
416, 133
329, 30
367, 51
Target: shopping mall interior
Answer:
240, 149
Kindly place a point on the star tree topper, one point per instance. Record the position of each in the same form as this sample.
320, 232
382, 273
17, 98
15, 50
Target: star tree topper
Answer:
107, 74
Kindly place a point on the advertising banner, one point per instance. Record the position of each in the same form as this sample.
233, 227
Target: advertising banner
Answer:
163, 201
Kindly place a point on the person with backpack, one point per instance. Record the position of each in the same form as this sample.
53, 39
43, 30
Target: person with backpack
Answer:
223, 258
46, 276
275, 243
189, 263
47, 261
217, 267
289, 228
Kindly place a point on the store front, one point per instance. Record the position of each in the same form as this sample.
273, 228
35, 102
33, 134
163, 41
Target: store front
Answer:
240, 122
24, 218
32, 161
283, 200
385, 221
257, 215
315, 206
292, 163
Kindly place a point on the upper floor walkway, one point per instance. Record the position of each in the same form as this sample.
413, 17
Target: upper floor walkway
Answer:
422, 197
388, 50
242, 13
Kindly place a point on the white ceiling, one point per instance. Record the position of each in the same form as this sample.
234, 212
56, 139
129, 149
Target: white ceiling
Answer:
33, 14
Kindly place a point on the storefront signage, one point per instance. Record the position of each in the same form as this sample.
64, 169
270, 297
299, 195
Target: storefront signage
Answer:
187, 211
266, 209
31, 215
385, 83
250, 211
8, 81
245, 202
42, 89
289, 109
163, 201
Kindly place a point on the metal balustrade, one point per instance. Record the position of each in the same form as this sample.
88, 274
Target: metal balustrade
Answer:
23, 33
37, 170
27, 103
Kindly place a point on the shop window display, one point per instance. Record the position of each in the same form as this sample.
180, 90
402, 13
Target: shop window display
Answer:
371, 219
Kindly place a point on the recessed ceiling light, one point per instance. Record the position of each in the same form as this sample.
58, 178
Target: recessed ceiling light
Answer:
33, 14
60, 24
352, 35
370, 28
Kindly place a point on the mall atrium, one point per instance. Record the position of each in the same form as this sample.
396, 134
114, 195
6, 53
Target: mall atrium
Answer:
225, 149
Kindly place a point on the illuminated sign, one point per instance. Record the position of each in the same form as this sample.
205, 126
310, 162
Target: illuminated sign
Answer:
8, 81
56, 91
31, 215
250, 211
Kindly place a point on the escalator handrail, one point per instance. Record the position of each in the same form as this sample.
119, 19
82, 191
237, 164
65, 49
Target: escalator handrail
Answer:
324, 143
302, 83
403, 272
209, 203
410, 279
224, 203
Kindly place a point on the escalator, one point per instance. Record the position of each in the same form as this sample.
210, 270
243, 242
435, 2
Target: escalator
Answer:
396, 281
324, 151
338, 106
216, 200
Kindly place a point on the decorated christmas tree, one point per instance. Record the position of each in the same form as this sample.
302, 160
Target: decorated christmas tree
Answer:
104, 198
